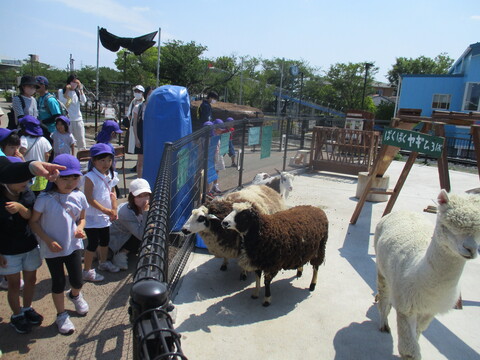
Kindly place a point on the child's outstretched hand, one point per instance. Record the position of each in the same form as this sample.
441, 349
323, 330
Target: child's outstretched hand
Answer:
3, 262
54, 247
12, 207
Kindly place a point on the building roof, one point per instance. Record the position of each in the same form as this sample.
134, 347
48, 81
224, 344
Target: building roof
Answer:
472, 49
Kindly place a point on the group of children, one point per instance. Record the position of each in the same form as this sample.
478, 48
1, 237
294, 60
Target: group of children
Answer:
60, 216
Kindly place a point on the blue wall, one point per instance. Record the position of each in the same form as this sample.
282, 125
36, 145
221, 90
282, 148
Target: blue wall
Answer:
417, 91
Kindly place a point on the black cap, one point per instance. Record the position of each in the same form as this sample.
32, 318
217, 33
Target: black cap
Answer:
27, 80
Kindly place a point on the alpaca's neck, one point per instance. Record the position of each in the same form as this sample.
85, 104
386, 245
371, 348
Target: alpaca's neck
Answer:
440, 266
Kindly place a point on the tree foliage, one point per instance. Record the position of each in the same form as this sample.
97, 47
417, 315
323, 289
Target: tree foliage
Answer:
421, 65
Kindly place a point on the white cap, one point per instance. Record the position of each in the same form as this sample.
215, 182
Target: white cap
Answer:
139, 186
139, 87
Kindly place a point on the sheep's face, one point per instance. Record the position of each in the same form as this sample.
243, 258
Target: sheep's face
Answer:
240, 218
286, 181
197, 222
459, 219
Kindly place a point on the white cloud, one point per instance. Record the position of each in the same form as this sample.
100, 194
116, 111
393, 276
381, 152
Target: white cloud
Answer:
113, 11
475, 17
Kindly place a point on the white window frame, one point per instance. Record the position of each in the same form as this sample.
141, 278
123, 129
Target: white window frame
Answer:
448, 101
467, 85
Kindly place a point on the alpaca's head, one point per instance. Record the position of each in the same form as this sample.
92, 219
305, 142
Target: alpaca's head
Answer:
459, 221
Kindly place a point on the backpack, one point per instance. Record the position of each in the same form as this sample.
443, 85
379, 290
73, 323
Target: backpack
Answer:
12, 122
63, 108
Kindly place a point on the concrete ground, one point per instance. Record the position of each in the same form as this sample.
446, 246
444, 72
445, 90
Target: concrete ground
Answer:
218, 319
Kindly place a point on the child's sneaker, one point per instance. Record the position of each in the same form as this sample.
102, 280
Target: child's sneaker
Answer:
64, 324
108, 266
32, 316
81, 306
91, 275
20, 323
216, 188
121, 260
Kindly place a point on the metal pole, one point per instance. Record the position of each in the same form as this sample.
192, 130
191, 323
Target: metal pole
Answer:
241, 84
279, 102
97, 80
302, 138
158, 57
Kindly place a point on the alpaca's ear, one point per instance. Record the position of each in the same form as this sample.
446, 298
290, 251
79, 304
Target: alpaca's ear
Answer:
442, 197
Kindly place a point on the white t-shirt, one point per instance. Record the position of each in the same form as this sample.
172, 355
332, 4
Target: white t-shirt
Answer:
36, 149
62, 142
74, 113
57, 220
102, 186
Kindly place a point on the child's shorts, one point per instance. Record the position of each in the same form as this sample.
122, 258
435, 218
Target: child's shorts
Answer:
28, 261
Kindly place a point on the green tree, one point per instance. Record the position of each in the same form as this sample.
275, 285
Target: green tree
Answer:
385, 110
344, 84
421, 65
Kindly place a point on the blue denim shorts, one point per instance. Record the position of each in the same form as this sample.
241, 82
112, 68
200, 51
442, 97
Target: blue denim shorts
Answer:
28, 261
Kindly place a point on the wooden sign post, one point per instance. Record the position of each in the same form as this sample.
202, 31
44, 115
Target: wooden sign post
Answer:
399, 137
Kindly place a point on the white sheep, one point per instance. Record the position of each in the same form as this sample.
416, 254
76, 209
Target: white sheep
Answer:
418, 266
282, 184
285, 240
206, 220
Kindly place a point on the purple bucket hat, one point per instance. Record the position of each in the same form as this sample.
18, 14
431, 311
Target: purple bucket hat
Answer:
4, 133
14, 159
64, 118
111, 125
101, 148
31, 125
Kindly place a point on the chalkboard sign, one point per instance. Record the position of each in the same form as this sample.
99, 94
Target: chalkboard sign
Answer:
414, 141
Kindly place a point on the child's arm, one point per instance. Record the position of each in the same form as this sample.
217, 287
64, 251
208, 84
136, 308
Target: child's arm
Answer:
72, 148
47, 155
88, 191
37, 229
14, 207
3, 262
113, 199
79, 233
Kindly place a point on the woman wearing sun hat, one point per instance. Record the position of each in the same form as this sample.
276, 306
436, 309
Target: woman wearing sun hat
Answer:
25, 103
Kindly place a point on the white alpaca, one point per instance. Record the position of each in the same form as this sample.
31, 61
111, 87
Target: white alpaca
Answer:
418, 266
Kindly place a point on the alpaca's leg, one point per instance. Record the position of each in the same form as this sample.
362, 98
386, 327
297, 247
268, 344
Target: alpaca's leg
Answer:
422, 323
224, 264
384, 304
314, 278
407, 337
258, 275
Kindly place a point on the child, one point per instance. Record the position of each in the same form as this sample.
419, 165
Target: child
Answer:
20, 253
58, 220
219, 162
231, 149
99, 182
109, 132
10, 143
34, 146
63, 140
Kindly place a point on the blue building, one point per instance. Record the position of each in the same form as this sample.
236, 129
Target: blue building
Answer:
459, 90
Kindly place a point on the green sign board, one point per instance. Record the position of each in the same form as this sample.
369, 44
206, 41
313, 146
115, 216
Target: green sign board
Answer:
414, 141
182, 158
266, 141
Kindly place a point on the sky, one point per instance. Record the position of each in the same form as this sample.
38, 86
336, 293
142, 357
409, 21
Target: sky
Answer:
322, 33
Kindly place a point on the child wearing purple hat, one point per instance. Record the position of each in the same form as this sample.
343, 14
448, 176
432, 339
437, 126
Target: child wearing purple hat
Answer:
34, 146
110, 129
58, 220
99, 182
63, 140
10, 143
20, 254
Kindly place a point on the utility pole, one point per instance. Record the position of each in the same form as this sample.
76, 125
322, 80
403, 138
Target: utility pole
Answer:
367, 67
241, 84
72, 68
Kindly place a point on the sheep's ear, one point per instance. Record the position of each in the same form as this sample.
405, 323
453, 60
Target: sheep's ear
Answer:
443, 197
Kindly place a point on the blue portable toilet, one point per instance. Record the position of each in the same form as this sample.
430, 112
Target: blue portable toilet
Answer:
167, 119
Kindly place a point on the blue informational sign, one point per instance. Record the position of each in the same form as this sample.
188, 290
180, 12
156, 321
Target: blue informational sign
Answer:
254, 136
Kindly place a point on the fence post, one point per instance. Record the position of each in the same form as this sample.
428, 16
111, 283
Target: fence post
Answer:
240, 161
206, 145
289, 124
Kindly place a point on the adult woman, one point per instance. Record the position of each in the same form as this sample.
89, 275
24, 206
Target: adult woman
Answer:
138, 92
127, 231
137, 126
25, 103
72, 96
